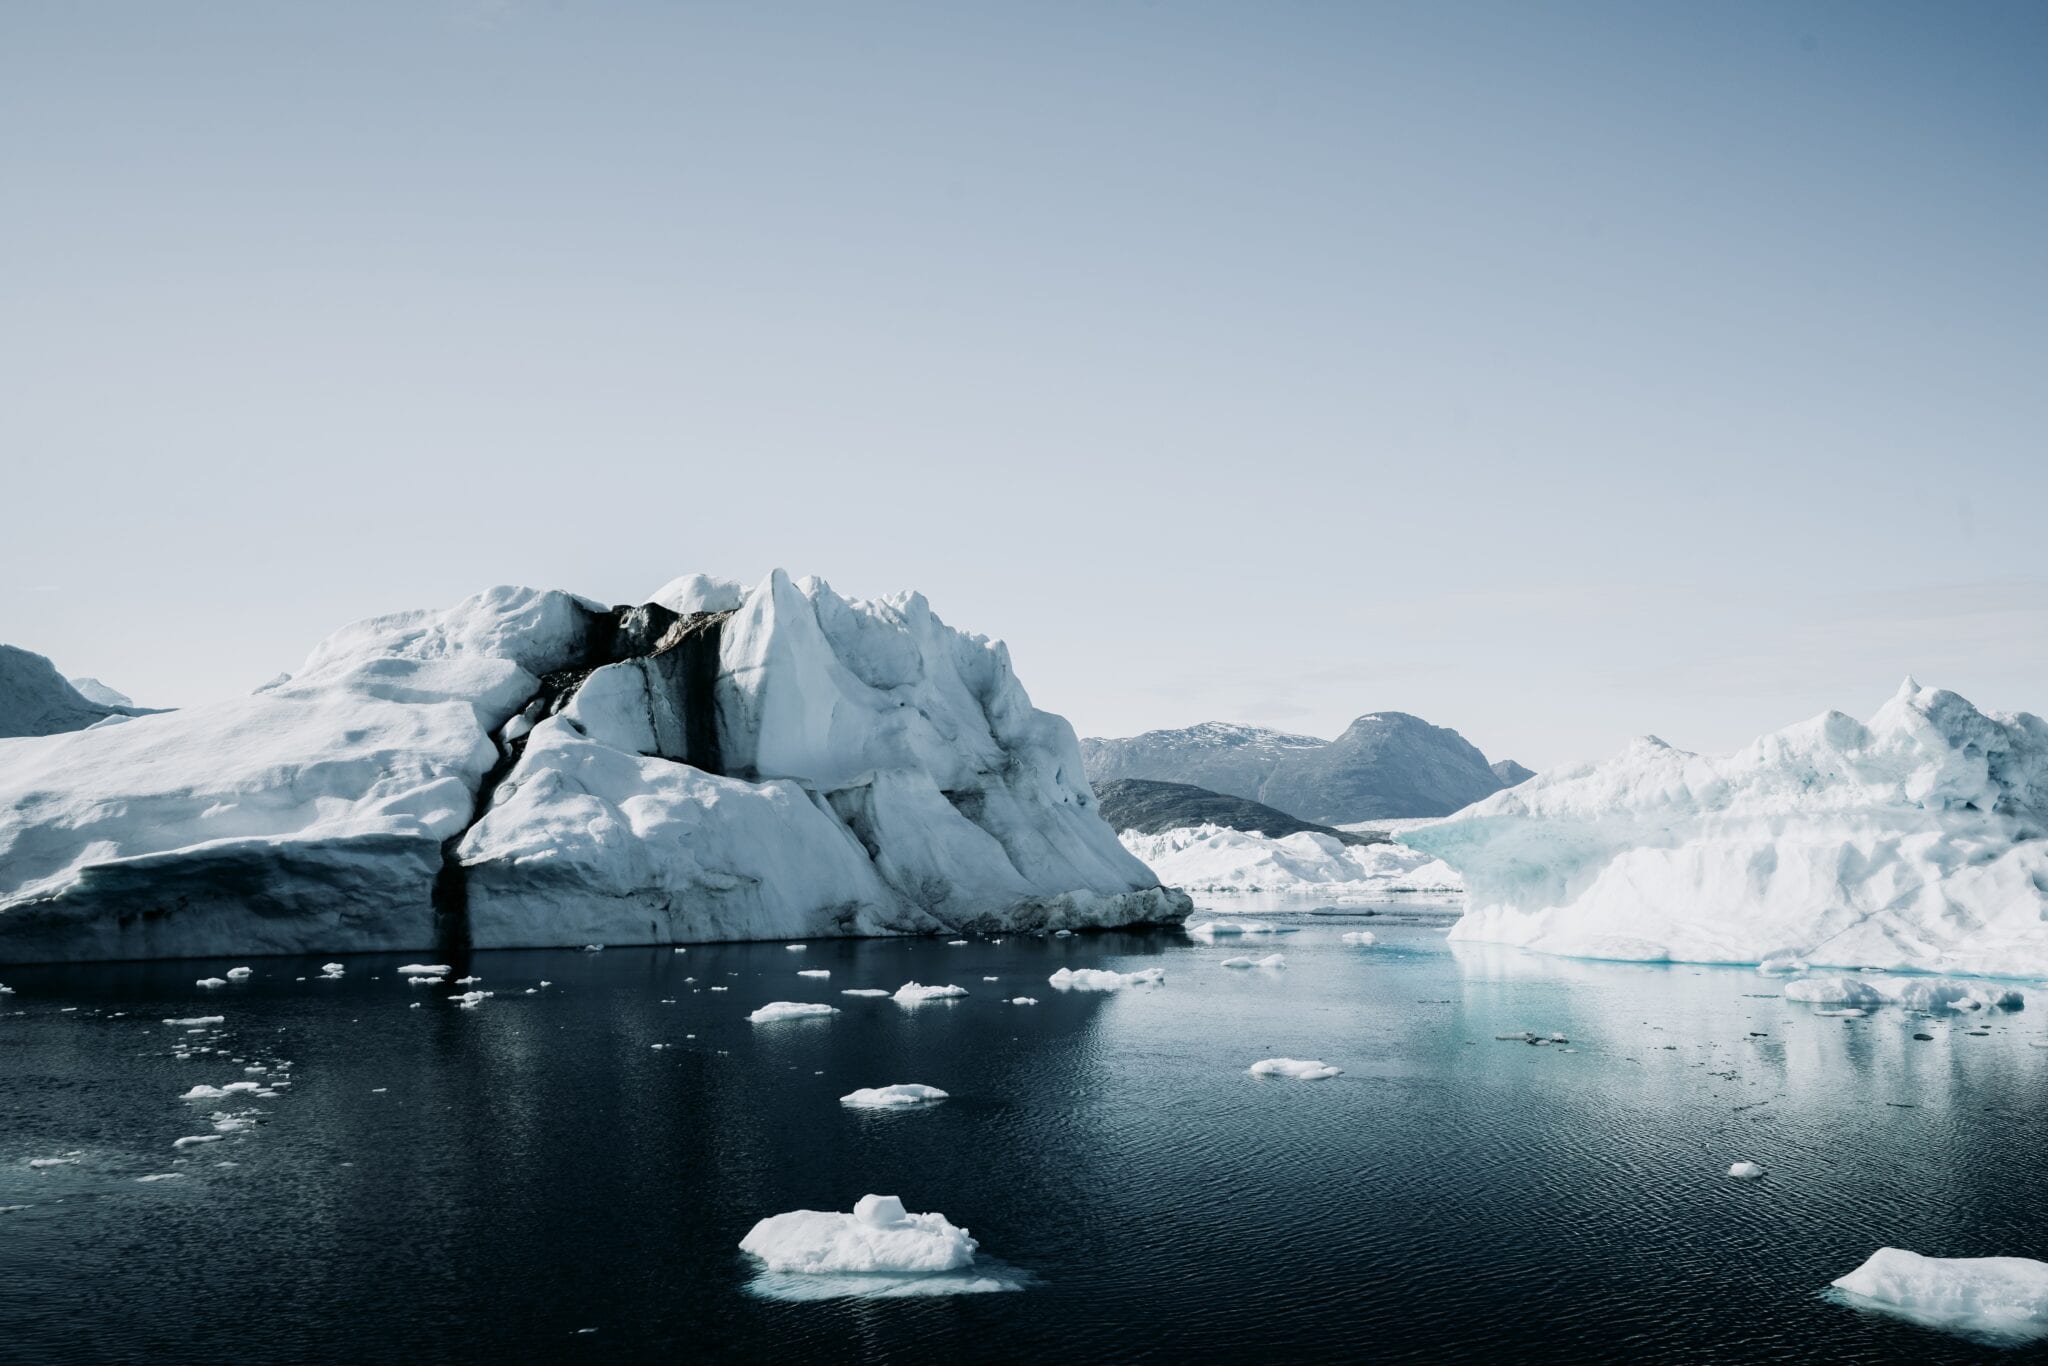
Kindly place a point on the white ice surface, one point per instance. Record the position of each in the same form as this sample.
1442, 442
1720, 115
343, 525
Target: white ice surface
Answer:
1102, 979
877, 1237
1211, 858
2002, 1298
791, 1010
900, 1096
1299, 1069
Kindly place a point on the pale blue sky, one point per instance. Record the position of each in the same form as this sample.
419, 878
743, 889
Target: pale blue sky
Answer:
1556, 372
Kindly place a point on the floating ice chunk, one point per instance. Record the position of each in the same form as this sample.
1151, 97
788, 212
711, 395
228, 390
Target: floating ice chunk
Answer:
1063, 934
1023, 1000
203, 1093
1782, 964
991, 979
1101, 979
879, 1236
194, 1140
790, 1010
902, 1095
1845, 1013
236, 974
333, 969
1297, 1068
235, 1086
1363, 938
196, 1020
1210, 929
2001, 1298
161, 1176
917, 993
41, 1162
425, 969
470, 1000
1271, 960
210, 982
230, 1124
863, 991
465, 981
1916, 993
796, 948
1745, 1171
593, 948
956, 943
814, 972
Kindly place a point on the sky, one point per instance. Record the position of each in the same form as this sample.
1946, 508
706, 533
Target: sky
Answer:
1556, 372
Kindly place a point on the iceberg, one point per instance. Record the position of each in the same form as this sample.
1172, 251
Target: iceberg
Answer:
1297, 1068
2004, 1299
1745, 1171
900, 1096
791, 1010
1209, 930
1101, 979
1914, 993
917, 993
877, 1237
1271, 960
1365, 939
1214, 858
531, 768
1915, 841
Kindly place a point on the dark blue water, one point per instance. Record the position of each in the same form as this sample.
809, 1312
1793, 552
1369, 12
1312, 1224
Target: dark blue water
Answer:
440, 1183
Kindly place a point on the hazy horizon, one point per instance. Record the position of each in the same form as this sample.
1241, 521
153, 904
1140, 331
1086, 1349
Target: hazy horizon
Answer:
1554, 375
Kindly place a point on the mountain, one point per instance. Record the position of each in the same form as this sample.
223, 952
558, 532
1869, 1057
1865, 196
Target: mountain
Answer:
532, 768
1141, 806
92, 690
1385, 765
37, 700
1510, 773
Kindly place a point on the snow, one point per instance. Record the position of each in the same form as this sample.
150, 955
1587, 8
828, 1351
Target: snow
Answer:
1914, 993
1214, 858
1296, 1068
917, 993
1915, 841
892, 1097
889, 775
1745, 1171
878, 1236
1100, 979
791, 1010
2001, 1298
1271, 960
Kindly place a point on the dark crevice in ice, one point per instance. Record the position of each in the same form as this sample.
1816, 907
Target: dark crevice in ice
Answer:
681, 666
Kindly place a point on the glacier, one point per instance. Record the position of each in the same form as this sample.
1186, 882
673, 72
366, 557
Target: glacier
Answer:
1214, 858
531, 768
1912, 842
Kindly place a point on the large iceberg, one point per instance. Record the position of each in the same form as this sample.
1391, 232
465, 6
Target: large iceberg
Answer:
1213, 858
1915, 841
2003, 1300
532, 768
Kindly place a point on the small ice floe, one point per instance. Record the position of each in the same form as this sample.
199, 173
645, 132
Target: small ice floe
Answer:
9, 991
1210, 929
991, 979
796, 948
791, 1010
2002, 1300
203, 1093
211, 982
1063, 934
333, 969
879, 1236
814, 972
1363, 938
161, 1176
1844, 1013
593, 948
1531, 1037
465, 981
41, 1163
1745, 1171
424, 970
470, 1000
195, 1021
237, 974
194, 1140
917, 993
224, 1123
901, 1096
1914, 993
1101, 979
680, 948
1271, 960
956, 943
1023, 1000
237, 1086
863, 991
1300, 1069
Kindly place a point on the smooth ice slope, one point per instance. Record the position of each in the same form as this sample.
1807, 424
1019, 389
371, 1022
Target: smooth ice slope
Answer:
532, 768
2004, 1298
1915, 841
1211, 858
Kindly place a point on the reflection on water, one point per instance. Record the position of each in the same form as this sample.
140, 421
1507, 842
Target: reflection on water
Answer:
505, 1178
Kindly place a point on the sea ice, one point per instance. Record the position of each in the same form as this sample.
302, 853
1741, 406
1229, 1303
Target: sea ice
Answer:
892, 1097
863, 991
1023, 1000
2002, 1298
199, 1020
1211, 929
1914, 993
1745, 1171
917, 993
1101, 979
790, 1010
814, 972
425, 969
203, 1092
1271, 960
1297, 1068
195, 1140
878, 1236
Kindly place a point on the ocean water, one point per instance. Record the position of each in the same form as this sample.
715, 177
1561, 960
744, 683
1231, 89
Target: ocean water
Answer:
533, 1179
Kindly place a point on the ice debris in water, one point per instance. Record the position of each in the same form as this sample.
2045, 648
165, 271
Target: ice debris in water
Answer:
2001, 1298
796, 948
1781, 964
470, 1000
956, 943
211, 982
917, 993
333, 969
814, 972
863, 991
1298, 1068
1915, 993
1361, 937
879, 1236
1023, 1000
199, 1020
1271, 960
903, 1094
42, 1162
1745, 1171
161, 1176
1210, 929
203, 1092
194, 1140
424, 970
1101, 979
790, 1010
239, 973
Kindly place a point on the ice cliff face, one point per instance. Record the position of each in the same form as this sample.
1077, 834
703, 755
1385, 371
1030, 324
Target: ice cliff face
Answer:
1915, 841
532, 768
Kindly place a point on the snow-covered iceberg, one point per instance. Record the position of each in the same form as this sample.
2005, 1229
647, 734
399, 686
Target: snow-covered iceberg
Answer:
532, 768
879, 1236
1213, 858
1915, 841
2002, 1299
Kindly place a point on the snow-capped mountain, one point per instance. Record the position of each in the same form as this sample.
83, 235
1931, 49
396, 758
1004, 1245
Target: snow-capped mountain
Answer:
534, 768
92, 690
1143, 806
1384, 765
37, 700
1919, 840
